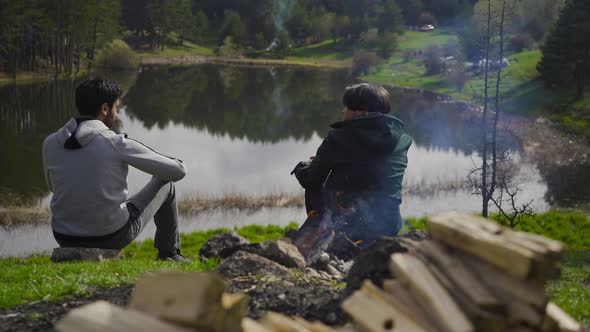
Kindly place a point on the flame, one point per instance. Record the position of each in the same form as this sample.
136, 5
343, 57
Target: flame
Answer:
359, 242
312, 213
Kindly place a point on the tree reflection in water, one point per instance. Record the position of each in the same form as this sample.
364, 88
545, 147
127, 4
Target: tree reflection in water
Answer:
262, 105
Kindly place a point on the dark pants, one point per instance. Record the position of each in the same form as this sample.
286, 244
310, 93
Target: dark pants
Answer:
156, 200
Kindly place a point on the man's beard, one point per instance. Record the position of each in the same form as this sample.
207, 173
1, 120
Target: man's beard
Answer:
110, 120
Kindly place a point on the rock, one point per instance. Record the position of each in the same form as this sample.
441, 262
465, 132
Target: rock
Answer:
244, 263
279, 251
371, 263
310, 298
312, 273
214, 246
291, 233
84, 254
345, 267
343, 247
333, 272
416, 235
324, 258
332, 318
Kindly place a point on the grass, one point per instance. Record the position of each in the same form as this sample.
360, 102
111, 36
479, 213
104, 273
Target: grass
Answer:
421, 40
36, 77
25, 280
187, 48
571, 228
572, 291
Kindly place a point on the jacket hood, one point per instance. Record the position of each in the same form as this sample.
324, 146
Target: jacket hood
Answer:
375, 131
79, 132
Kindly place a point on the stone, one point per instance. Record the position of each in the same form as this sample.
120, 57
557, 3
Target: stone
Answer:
371, 263
312, 273
224, 241
74, 254
333, 272
244, 263
280, 251
324, 258
343, 247
291, 233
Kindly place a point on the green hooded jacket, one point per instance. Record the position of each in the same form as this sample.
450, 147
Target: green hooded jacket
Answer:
365, 154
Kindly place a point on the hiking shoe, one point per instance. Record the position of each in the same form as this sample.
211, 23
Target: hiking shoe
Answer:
176, 257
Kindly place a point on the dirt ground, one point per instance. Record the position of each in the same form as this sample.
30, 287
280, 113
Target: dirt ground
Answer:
42, 316
310, 298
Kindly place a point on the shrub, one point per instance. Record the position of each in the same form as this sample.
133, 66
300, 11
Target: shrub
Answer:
452, 48
427, 18
432, 60
117, 55
362, 61
228, 48
386, 45
520, 42
457, 77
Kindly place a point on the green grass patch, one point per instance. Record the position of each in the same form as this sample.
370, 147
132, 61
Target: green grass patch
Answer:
35, 278
572, 291
571, 228
174, 49
420, 40
327, 50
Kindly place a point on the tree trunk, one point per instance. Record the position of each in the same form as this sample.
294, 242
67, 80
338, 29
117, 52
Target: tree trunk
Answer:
484, 167
497, 103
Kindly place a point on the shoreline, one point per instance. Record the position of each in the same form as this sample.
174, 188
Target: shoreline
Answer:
196, 59
180, 60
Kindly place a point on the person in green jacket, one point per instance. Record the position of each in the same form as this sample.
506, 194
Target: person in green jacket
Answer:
355, 178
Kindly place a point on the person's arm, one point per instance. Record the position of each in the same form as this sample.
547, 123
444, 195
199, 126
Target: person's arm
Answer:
313, 175
147, 160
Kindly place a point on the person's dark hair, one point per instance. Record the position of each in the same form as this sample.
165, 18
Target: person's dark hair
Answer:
367, 97
92, 93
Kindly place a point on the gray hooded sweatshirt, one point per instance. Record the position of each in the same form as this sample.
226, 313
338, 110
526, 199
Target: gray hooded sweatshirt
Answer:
86, 168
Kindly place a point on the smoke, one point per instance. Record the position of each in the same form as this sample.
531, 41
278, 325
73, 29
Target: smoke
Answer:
282, 10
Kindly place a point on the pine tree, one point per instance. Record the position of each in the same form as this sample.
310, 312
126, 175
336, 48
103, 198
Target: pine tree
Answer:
566, 53
390, 18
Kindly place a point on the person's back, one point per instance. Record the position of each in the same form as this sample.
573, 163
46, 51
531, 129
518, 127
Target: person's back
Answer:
357, 173
86, 166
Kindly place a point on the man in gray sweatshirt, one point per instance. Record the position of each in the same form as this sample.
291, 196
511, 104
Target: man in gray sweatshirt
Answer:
86, 165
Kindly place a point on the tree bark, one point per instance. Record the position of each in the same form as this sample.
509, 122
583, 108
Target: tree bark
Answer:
484, 167
497, 103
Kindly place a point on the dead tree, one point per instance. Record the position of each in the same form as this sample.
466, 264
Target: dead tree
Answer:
493, 179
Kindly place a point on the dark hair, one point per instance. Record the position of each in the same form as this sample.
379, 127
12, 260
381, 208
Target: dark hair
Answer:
367, 97
92, 93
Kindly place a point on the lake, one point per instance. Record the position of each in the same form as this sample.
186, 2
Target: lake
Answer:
241, 130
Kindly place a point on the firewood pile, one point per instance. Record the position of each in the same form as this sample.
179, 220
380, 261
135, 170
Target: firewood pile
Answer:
471, 275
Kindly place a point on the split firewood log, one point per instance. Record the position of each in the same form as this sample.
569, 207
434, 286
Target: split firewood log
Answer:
102, 316
194, 299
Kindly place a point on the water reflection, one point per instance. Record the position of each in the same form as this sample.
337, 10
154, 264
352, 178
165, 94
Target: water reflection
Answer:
241, 129
261, 105
28, 113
